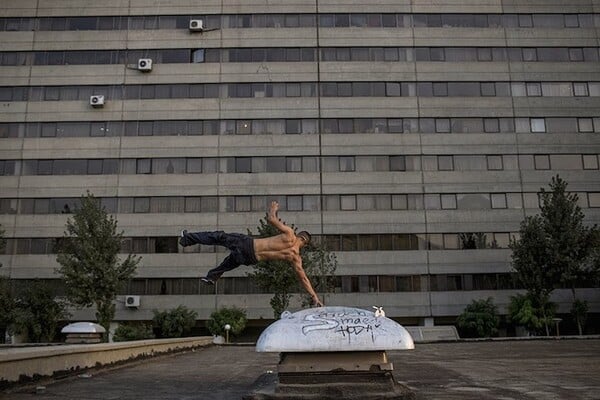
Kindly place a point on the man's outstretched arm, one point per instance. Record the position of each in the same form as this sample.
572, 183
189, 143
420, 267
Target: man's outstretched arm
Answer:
274, 220
306, 282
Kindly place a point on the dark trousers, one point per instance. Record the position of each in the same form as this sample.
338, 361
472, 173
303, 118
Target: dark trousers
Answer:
241, 246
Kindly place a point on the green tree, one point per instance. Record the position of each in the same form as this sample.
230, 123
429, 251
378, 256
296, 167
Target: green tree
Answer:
7, 306
579, 311
479, 319
555, 248
528, 311
572, 247
233, 316
177, 322
38, 313
279, 278
90, 265
7, 301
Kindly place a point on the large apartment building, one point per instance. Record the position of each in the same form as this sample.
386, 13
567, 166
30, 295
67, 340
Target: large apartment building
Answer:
411, 136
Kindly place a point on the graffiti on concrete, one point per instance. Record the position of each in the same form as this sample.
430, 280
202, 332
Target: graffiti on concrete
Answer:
349, 323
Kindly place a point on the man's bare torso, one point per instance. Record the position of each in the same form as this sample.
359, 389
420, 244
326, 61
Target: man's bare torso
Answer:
281, 247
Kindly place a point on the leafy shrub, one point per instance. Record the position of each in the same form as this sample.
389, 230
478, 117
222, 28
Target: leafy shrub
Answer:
480, 319
177, 322
232, 316
531, 313
38, 313
133, 331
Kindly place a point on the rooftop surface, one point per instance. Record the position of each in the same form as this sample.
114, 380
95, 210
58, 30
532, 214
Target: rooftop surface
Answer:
499, 370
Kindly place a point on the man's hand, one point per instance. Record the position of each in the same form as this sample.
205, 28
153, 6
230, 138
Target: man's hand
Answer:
273, 209
317, 302
272, 214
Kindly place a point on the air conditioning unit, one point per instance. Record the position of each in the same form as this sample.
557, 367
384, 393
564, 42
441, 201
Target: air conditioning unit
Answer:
196, 25
97, 100
144, 64
132, 301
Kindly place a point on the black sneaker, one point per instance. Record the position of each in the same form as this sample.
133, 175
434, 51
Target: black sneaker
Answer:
208, 281
182, 239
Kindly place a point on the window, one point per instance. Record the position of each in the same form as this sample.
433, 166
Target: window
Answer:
514, 200
465, 89
590, 161
392, 89
448, 201
440, 89
451, 241
533, 89
498, 200
442, 125
537, 125
488, 89
484, 54
473, 201
347, 202
243, 164
432, 201
346, 164
541, 161
276, 164
445, 163
141, 205
576, 54
424, 89
585, 125
566, 161
198, 56
557, 89
294, 164
580, 89
397, 163
491, 125
436, 54
494, 162
470, 163
395, 125
530, 54
594, 200
392, 54
525, 21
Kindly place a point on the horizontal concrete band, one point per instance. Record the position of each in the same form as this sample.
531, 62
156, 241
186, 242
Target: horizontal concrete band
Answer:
29, 362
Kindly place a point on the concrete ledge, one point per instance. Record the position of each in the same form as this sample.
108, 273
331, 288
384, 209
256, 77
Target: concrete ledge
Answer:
21, 364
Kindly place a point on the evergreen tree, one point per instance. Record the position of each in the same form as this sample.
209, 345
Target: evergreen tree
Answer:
279, 278
572, 246
90, 265
556, 249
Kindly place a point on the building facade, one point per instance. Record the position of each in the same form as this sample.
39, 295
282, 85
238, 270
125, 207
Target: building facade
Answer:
411, 136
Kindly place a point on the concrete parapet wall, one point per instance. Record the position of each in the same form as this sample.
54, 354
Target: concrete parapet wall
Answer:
27, 363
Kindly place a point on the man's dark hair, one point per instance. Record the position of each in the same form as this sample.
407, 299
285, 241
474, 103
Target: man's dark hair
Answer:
306, 236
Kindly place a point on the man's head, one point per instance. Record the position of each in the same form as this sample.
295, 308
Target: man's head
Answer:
304, 236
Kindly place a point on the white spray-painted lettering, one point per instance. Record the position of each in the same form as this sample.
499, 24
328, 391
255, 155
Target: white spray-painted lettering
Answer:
347, 324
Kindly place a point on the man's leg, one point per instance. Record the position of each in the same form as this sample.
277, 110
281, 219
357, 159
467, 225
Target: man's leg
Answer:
208, 238
232, 241
218, 238
230, 262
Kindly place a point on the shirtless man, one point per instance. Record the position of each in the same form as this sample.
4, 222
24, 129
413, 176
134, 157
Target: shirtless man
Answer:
246, 250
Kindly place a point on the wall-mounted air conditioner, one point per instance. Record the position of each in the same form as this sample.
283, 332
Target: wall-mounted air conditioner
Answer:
196, 25
97, 100
132, 301
144, 64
